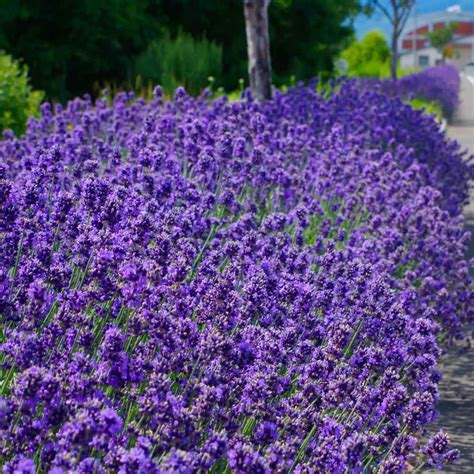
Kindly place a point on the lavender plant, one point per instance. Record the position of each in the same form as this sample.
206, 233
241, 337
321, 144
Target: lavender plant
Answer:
200, 285
439, 84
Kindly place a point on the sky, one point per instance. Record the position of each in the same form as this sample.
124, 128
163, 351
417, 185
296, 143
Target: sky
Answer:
379, 22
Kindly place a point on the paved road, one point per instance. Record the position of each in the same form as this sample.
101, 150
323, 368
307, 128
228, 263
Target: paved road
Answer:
462, 130
457, 386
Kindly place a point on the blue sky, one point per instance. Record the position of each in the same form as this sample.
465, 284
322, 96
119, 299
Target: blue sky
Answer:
378, 21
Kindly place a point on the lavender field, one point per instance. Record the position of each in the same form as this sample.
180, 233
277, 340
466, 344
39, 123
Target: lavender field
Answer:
439, 84
204, 286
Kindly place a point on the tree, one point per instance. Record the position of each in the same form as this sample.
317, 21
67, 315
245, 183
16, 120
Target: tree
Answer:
306, 35
258, 48
368, 57
440, 39
397, 13
69, 45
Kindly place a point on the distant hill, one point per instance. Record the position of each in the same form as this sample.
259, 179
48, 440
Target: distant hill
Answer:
379, 22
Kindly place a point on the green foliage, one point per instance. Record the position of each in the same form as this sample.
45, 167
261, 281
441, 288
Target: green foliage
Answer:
233, 95
440, 38
17, 100
401, 72
220, 21
305, 35
369, 57
70, 44
182, 61
432, 108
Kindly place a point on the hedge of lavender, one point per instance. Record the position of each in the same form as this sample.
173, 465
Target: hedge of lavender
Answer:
435, 84
200, 285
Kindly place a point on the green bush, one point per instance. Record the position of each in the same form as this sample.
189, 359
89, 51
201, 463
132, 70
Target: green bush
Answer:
368, 57
17, 100
181, 61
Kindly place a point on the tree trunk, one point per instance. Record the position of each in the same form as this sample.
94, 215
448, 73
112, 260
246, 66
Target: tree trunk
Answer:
394, 61
258, 48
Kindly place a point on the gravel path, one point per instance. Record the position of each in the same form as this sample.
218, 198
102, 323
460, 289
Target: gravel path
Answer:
456, 406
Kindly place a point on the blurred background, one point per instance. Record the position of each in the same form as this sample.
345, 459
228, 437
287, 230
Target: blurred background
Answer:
71, 46
59, 49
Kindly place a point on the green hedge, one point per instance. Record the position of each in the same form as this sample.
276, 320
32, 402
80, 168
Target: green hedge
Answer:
17, 99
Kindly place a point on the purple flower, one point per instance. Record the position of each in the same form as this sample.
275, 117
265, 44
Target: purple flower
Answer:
206, 285
437, 452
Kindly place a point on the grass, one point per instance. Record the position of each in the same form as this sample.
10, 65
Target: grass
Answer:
431, 108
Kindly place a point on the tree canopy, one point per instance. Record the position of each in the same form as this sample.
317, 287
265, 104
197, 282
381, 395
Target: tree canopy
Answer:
71, 44
368, 57
441, 37
305, 35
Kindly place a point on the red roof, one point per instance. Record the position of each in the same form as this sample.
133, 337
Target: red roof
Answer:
464, 28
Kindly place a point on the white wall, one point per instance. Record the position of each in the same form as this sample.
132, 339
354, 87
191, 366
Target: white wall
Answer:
407, 60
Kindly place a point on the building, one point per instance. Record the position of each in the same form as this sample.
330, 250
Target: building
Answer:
415, 48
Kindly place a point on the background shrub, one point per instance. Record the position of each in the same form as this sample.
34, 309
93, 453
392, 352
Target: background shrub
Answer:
183, 60
435, 84
368, 57
17, 100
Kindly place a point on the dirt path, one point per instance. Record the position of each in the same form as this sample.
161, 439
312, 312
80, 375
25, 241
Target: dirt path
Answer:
456, 405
